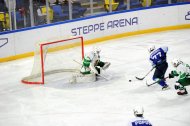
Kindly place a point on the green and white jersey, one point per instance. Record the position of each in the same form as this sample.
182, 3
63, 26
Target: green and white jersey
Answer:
86, 61
85, 69
89, 62
182, 71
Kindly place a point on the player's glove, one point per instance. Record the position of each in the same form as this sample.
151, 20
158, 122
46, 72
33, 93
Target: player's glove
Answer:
171, 75
176, 86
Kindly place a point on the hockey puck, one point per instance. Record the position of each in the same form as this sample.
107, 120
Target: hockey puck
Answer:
129, 80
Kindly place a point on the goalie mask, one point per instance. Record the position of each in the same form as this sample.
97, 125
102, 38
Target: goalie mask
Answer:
138, 111
96, 50
151, 48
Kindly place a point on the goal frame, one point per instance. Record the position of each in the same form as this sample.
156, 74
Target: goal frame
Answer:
42, 57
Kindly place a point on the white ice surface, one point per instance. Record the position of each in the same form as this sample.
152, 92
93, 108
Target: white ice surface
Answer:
102, 103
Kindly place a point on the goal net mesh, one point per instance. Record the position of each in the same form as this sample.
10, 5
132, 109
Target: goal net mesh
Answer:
55, 57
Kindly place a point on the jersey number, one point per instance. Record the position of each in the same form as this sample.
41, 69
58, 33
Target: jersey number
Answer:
156, 56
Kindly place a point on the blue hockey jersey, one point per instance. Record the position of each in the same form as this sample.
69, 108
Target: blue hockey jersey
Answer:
158, 56
139, 121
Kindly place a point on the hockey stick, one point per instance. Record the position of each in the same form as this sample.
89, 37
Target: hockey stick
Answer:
103, 77
138, 78
155, 82
77, 62
96, 73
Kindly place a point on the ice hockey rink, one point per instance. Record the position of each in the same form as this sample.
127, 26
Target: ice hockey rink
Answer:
105, 102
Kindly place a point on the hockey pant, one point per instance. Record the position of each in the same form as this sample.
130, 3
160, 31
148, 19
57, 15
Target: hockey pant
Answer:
184, 82
180, 84
160, 73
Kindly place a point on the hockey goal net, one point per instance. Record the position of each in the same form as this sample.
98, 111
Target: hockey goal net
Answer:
55, 57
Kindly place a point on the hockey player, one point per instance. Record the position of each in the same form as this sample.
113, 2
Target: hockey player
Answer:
91, 67
92, 63
139, 120
159, 62
182, 71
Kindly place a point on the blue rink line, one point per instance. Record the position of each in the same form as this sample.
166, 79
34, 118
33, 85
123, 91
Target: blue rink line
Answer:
90, 17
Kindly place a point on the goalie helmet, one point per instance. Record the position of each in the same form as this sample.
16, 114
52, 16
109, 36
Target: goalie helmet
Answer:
175, 62
96, 50
138, 111
151, 48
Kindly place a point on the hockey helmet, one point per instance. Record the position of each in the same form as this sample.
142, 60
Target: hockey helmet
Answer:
151, 48
138, 111
96, 50
175, 62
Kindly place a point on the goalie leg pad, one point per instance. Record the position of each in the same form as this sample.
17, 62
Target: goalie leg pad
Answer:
99, 70
106, 65
83, 78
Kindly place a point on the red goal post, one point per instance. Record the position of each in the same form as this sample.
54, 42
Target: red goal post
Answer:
59, 54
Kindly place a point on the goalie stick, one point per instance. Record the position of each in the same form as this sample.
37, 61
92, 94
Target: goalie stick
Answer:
96, 73
155, 82
138, 78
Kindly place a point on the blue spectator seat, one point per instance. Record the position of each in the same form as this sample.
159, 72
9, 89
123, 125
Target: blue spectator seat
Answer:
58, 14
121, 6
77, 6
135, 4
158, 2
75, 13
19, 19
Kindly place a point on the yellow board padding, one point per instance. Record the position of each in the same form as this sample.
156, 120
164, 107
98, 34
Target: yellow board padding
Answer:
153, 30
16, 57
54, 49
113, 3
